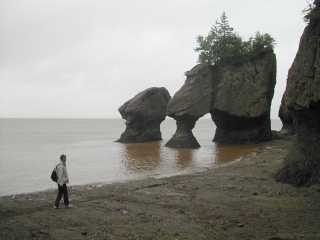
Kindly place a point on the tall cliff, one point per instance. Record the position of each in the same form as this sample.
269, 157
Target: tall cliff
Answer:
302, 165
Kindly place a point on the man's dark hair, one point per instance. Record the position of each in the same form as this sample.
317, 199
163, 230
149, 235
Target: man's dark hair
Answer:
63, 156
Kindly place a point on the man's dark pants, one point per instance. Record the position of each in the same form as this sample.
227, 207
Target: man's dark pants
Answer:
62, 191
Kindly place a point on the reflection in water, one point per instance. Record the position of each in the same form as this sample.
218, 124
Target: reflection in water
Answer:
39, 141
183, 158
228, 153
142, 156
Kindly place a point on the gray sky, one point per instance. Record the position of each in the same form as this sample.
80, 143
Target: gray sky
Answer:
84, 58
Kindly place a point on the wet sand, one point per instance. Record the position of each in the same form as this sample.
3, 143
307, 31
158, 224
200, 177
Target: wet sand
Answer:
238, 200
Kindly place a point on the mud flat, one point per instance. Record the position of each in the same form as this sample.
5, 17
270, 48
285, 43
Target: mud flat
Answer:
236, 201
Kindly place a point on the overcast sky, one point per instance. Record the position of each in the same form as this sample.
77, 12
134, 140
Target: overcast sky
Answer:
84, 58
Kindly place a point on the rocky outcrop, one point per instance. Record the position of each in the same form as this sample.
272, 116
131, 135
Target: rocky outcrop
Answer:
144, 114
303, 99
288, 122
242, 99
191, 102
238, 96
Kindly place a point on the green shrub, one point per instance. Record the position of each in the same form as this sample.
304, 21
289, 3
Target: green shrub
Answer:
223, 44
311, 5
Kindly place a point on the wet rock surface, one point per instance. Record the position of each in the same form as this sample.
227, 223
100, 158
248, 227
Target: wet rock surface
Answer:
144, 114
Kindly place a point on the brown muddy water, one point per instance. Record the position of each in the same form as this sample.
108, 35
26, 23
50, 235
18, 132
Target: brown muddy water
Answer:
29, 150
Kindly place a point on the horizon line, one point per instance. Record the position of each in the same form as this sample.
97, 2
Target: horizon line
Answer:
85, 118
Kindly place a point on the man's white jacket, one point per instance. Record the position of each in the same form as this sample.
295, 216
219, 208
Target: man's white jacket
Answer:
62, 174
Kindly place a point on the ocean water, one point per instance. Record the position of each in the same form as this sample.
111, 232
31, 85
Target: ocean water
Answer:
30, 149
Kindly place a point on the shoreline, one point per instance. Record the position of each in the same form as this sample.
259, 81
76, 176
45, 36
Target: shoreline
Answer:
81, 187
240, 200
89, 186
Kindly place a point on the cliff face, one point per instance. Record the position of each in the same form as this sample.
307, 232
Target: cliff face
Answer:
144, 114
304, 75
303, 100
238, 96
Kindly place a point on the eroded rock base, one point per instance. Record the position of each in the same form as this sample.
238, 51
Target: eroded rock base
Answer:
148, 133
302, 165
239, 130
184, 138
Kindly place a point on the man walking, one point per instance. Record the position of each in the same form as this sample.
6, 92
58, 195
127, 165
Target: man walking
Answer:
63, 179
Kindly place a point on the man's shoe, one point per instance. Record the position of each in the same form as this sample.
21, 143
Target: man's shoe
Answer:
69, 206
55, 207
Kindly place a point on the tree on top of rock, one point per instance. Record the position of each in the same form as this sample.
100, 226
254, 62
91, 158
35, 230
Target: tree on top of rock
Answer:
311, 5
223, 44
220, 43
259, 42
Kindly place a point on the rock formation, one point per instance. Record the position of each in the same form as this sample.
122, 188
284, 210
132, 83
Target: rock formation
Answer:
302, 165
191, 102
237, 95
144, 114
288, 122
242, 100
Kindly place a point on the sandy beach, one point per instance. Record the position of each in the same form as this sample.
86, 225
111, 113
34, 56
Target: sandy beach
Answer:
236, 201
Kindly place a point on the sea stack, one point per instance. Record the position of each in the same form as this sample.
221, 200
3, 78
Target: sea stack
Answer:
191, 102
302, 165
238, 95
144, 114
242, 99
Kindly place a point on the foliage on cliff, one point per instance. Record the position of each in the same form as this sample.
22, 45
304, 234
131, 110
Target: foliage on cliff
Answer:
312, 11
223, 44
